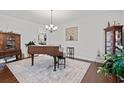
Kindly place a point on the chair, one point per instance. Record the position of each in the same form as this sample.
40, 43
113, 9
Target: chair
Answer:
62, 59
70, 52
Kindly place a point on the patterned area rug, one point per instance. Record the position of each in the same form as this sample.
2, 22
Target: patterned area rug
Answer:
42, 71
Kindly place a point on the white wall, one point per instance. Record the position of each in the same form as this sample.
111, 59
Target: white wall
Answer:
91, 34
28, 30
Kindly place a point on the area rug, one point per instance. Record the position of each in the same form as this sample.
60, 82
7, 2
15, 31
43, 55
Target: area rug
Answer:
42, 71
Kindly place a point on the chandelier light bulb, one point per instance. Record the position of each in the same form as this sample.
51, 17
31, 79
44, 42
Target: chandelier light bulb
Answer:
51, 25
46, 26
55, 28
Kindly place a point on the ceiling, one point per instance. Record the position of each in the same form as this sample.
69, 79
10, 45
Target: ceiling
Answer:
59, 16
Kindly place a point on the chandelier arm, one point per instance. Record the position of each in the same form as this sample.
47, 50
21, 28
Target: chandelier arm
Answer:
51, 27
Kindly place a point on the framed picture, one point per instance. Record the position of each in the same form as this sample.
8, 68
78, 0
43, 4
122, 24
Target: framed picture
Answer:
42, 37
72, 34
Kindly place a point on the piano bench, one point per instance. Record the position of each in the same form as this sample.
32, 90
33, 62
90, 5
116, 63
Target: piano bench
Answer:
61, 61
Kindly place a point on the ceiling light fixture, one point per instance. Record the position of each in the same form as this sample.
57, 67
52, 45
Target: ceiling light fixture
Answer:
51, 27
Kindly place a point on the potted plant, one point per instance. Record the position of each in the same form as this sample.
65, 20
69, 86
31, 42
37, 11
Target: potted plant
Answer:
113, 64
118, 69
107, 68
30, 43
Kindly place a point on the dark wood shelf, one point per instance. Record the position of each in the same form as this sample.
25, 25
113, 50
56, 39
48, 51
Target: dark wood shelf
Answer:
115, 31
10, 45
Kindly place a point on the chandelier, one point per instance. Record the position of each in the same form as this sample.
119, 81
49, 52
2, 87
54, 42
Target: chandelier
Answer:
51, 27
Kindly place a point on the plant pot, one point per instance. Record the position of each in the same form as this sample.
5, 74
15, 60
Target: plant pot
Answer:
121, 79
112, 78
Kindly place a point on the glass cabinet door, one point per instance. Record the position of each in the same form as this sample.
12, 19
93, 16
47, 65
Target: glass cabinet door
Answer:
113, 38
117, 40
109, 42
10, 42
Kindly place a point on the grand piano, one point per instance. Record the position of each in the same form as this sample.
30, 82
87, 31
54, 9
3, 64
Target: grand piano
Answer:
45, 49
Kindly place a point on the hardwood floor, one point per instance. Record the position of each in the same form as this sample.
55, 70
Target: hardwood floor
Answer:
93, 77
6, 76
90, 77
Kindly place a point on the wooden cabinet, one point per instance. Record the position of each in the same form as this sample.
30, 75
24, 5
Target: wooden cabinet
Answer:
10, 44
113, 38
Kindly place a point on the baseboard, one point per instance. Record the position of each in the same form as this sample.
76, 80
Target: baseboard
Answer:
86, 60
82, 59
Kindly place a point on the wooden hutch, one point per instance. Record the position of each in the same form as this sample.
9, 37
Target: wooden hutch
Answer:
113, 38
10, 45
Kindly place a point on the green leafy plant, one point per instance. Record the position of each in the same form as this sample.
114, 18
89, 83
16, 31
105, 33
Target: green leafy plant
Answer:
113, 64
107, 67
30, 43
118, 69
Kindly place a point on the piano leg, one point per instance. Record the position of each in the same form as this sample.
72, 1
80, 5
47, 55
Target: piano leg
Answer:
54, 64
17, 58
32, 58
